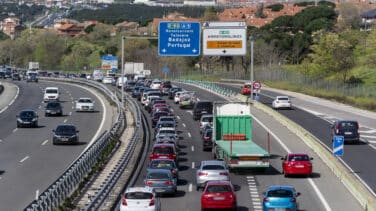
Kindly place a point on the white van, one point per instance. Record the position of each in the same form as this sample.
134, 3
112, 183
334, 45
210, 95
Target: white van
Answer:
120, 81
51, 94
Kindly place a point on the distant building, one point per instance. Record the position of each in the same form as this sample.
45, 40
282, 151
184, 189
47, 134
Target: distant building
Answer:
70, 29
171, 17
200, 2
11, 26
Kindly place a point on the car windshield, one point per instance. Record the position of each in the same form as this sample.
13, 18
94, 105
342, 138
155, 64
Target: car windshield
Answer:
27, 114
138, 195
247, 86
163, 150
204, 104
166, 125
157, 175
167, 131
218, 189
348, 125
51, 91
53, 105
213, 167
167, 119
298, 158
162, 164
66, 129
84, 101
280, 193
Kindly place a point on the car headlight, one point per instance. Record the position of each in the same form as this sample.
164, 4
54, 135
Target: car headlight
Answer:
35, 119
20, 120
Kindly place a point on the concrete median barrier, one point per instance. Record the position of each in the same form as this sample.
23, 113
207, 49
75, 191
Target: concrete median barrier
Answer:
358, 190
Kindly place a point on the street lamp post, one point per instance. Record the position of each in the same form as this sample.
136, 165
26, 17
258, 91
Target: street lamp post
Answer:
251, 72
122, 69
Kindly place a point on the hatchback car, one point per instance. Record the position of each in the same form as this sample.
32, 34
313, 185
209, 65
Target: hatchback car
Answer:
205, 120
156, 117
218, 195
246, 89
136, 92
297, 164
16, 77
65, 134
140, 198
210, 170
187, 100
161, 180
207, 143
280, 198
172, 91
202, 107
282, 102
53, 108
164, 151
28, 118
167, 131
164, 164
346, 128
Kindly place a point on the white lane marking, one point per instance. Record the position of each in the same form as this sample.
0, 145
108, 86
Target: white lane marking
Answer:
190, 187
193, 165
368, 137
40, 107
178, 117
23, 159
70, 113
12, 101
72, 102
45, 142
190, 112
318, 192
193, 148
368, 131
65, 120
189, 134
72, 107
36, 194
172, 109
14, 130
42, 101
1, 140
184, 125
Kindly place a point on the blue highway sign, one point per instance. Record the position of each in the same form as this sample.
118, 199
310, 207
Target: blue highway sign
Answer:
165, 69
338, 142
179, 38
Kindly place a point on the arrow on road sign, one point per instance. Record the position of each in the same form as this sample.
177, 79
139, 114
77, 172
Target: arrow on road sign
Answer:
338, 142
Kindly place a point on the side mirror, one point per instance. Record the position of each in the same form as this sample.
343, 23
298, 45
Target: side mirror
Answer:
53, 130
77, 131
298, 194
282, 158
311, 158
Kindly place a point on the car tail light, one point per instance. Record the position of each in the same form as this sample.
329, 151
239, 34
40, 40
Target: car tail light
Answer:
337, 128
233, 161
223, 173
152, 202
155, 119
168, 183
202, 174
293, 200
207, 138
174, 171
124, 201
148, 183
266, 200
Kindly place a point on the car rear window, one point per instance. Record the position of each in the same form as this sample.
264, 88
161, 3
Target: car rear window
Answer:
280, 193
298, 158
218, 189
157, 175
84, 101
349, 125
162, 164
163, 150
283, 98
204, 104
51, 91
207, 119
138, 195
213, 167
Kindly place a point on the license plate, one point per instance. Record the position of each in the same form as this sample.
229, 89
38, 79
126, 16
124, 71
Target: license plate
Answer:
53, 112
64, 139
165, 157
219, 198
299, 166
348, 133
279, 209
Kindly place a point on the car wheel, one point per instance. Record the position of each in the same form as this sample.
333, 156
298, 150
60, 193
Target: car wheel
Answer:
18, 125
45, 115
197, 188
285, 175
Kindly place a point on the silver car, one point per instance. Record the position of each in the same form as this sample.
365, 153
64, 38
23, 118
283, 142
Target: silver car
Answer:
211, 170
161, 180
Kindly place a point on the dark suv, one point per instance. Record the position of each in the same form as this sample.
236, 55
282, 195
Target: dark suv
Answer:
202, 107
53, 108
346, 128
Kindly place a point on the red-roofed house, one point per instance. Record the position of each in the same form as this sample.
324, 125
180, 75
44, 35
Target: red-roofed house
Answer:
70, 29
11, 26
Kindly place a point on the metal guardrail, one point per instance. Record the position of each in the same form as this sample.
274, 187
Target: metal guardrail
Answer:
210, 86
101, 195
67, 183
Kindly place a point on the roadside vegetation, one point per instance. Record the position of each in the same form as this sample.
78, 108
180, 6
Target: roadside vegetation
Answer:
314, 52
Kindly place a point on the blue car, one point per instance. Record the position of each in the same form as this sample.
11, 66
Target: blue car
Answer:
280, 197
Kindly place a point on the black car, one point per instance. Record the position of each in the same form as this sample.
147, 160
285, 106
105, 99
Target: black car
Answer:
65, 134
346, 128
53, 108
32, 77
207, 139
129, 85
172, 91
16, 77
2, 74
27, 118
202, 107
136, 91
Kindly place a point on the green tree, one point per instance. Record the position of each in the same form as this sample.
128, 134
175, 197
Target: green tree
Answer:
350, 16
260, 11
275, 7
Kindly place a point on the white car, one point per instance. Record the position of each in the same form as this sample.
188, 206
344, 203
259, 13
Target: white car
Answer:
156, 84
85, 104
167, 131
51, 94
140, 198
107, 80
177, 96
282, 102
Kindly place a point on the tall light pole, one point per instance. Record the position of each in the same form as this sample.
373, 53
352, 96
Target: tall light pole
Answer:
251, 72
122, 69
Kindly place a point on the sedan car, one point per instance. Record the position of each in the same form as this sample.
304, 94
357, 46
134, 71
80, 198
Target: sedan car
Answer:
65, 134
172, 91
281, 102
53, 108
107, 80
297, 164
280, 198
164, 151
218, 195
140, 198
84, 104
210, 170
28, 118
16, 77
164, 164
207, 143
161, 180
156, 116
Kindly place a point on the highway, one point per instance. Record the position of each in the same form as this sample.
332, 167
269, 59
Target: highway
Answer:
317, 119
322, 191
30, 161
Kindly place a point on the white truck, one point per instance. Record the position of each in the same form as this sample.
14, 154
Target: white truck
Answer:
51, 94
98, 75
34, 66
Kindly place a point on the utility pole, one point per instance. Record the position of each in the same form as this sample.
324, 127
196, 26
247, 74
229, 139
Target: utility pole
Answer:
251, 72
122, 69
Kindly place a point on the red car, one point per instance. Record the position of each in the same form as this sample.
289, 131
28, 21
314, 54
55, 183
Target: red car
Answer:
297, 164
164, 151
218, 195
246, 89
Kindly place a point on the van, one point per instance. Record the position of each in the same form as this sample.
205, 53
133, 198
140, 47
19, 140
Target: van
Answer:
202, 107
51, 94
120, 81
98, 75
346, 128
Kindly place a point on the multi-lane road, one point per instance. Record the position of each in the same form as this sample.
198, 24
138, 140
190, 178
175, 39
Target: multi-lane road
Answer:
27, 156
